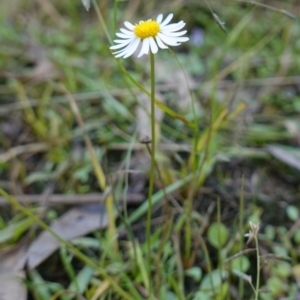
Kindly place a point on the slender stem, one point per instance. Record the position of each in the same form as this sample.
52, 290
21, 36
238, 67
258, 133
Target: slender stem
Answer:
208, 262
258, 268
102, 22
220, 260
151, 180
241, 229
115, 13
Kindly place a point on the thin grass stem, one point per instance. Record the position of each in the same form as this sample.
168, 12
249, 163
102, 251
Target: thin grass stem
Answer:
101, 20
208, 261
241, 230
258, 268
116, 2
220, 258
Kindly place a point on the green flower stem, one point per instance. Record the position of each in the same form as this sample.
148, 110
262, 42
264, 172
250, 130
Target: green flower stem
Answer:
151, 180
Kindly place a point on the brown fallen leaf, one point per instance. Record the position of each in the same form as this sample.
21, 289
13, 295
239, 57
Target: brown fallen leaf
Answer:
11, 275
76, 222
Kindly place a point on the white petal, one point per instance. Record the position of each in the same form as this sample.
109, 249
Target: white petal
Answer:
132, 48
159, 18
181, 39
129, 25
167, 20
124, 36
120, 53
123, 41
180, 33
124, 51
171, 41
160, 43
153, 45
174, 24
126, 31
145, 47
117, 55
122, 45
173, 27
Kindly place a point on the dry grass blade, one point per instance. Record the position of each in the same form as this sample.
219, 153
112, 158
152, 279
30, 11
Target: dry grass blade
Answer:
13, 152
246, 251
101, 289
57, 199
275, 256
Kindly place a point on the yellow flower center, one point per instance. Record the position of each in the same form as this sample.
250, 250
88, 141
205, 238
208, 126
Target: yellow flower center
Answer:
146, 29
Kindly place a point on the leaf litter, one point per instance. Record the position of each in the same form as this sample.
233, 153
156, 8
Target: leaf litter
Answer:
74, 223
12, 273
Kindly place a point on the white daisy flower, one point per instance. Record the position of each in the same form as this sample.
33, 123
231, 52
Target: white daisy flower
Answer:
152, 34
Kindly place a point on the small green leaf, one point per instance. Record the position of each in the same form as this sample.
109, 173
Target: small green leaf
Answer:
170, 295
195, 273
213, 280
280, 250
283, 269
217, 235
270, 232
292, 212
39, 287
223, 291
201, 296
82, 279
276, 286
241, 264
14, 230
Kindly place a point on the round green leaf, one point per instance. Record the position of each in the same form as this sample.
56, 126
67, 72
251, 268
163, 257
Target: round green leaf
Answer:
213, 280
283, 269
270, 232
201, 296
292, 212
276, 286
241, 264
195, 273
217, 235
